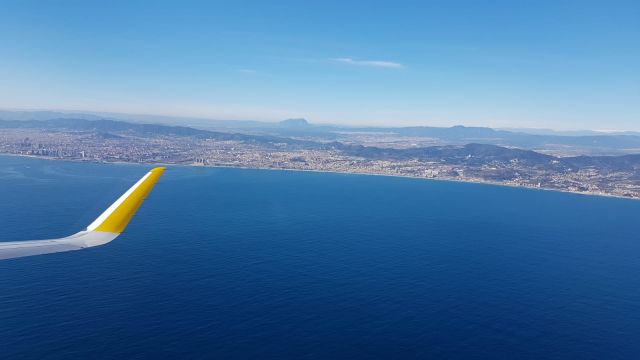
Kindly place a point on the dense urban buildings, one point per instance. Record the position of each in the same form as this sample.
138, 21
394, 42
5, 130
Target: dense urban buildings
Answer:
116, 141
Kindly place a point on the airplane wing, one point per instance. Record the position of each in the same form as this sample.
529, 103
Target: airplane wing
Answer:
101, 231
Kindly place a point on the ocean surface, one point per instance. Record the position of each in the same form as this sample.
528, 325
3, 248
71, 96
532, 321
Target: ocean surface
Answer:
257, 264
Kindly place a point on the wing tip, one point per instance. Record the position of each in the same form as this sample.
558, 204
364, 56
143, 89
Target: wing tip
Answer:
116, 218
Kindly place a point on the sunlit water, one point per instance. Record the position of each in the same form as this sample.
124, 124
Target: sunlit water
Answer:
239, 264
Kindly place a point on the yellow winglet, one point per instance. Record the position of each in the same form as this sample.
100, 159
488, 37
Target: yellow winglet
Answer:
118, 215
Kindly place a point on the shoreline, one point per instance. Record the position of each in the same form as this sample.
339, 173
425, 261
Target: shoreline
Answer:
479, 182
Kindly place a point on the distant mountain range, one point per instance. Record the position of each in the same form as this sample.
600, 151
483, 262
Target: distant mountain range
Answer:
106, 127
470, 153
546, 141
481, 154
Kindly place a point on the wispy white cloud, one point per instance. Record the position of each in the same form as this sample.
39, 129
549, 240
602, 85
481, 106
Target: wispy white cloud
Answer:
247, 71
373, 63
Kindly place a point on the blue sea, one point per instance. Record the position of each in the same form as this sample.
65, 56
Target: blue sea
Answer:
256, 264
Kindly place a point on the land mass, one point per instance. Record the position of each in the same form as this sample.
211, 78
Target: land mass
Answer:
292, 147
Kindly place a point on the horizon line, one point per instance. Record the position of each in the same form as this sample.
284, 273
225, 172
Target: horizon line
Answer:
348, 125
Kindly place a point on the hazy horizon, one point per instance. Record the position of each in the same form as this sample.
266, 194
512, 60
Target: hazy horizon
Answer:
122, 116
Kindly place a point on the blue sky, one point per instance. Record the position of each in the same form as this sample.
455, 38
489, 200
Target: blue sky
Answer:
546, 64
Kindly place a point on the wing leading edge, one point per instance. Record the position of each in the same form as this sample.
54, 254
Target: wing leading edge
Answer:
101, 231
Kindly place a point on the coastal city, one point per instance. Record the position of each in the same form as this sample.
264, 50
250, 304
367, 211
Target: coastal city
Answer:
459, 163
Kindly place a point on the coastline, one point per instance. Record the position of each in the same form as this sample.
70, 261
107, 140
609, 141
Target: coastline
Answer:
468, 181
